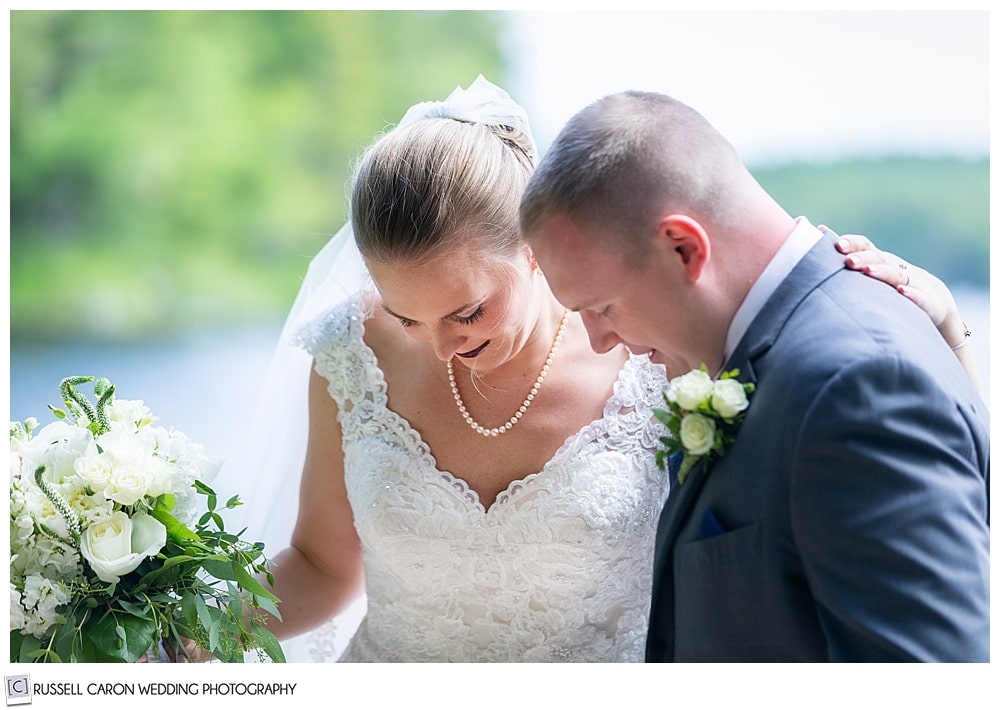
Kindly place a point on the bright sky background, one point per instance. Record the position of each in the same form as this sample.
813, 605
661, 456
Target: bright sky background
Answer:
779, 84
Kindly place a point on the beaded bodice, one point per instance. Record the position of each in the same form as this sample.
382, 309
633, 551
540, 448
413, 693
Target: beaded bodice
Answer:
558, 568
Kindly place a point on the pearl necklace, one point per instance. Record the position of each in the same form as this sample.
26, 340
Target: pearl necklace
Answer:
509, 424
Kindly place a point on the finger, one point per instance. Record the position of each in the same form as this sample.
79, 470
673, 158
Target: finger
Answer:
851, 243
860, 261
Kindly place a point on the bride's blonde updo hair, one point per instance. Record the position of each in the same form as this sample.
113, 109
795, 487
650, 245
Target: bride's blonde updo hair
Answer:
431, 186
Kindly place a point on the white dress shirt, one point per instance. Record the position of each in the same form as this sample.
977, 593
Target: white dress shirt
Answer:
800, 241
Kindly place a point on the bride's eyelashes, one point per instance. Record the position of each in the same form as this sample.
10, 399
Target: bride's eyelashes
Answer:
464, 320
470, 319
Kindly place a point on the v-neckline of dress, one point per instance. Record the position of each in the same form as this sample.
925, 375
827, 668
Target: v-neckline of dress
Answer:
456, 482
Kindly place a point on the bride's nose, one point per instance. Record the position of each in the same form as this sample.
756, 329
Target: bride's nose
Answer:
444, 341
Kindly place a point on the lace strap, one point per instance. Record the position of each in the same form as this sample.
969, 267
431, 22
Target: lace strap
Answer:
335, 339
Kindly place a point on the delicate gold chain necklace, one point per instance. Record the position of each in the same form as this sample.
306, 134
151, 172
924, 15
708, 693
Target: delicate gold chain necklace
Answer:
509, 424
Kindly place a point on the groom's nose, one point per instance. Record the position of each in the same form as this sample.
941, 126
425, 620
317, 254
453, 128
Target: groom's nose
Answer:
602, 338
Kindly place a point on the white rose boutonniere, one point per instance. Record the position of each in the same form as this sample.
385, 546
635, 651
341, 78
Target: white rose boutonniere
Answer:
702, 416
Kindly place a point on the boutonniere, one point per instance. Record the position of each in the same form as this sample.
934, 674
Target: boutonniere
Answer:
702, 416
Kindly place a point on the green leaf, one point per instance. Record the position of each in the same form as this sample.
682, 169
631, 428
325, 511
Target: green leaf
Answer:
268, 605
201, 609
219, 567
664, 416
17, 640
250, 584
121, 638
202, 488
176, 530
213, 633
134, 609
268, 643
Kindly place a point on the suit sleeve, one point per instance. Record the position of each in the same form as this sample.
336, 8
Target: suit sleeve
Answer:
889, 513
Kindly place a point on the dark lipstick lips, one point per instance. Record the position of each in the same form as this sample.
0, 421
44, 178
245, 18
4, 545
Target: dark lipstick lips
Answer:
473, 353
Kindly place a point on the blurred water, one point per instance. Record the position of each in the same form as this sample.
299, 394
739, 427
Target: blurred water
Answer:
202, 384
205, 385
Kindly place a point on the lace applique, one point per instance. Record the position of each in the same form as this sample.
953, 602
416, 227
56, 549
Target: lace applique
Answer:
559, 568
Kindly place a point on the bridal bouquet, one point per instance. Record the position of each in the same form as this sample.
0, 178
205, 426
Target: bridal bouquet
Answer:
117, 542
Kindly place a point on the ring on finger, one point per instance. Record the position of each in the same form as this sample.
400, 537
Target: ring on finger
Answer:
902, 268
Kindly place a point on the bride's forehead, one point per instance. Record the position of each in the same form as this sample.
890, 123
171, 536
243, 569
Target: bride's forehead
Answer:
460, 268
439, 283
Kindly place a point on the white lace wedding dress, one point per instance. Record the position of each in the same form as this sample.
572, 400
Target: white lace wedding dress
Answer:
557, 569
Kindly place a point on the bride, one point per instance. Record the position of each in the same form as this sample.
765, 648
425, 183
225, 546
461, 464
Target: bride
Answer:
474, 473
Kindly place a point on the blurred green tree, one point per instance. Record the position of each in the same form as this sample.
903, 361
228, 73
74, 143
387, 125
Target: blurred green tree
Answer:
171, 169
934, 212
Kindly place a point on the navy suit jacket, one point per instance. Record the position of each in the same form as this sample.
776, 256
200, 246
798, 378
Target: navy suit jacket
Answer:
850, 519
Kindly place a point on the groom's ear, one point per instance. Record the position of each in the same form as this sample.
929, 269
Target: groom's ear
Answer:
685, 237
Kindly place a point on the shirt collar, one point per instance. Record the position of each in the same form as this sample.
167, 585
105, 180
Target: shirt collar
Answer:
803, 237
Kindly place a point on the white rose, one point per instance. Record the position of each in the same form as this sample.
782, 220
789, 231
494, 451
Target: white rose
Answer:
729, 398
697, 433
161, 476
94, 471
133, 473
129, 483
690, 390
118, 545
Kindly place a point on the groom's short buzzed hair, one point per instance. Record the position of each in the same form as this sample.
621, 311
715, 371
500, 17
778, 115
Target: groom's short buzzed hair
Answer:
622, 160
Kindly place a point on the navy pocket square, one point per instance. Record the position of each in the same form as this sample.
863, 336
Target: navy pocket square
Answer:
711, 526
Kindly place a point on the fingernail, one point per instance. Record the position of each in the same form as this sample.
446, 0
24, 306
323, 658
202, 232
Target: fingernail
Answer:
843, 244
852, 260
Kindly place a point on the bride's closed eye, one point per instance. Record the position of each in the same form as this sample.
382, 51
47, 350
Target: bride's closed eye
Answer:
470, 319
464, 320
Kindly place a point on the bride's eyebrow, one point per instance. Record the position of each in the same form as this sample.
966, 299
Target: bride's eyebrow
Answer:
454, 313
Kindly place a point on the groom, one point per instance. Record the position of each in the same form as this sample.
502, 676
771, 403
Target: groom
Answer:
849, 519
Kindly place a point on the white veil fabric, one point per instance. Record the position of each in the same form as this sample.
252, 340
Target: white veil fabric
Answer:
266, 472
